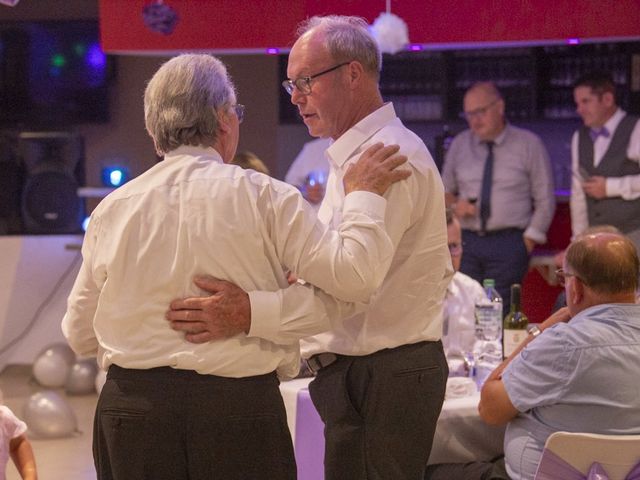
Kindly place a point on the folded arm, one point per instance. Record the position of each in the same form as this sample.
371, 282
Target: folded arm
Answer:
496, 407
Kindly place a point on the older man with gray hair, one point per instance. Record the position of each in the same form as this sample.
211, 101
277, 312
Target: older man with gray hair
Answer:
176, 410
381, 370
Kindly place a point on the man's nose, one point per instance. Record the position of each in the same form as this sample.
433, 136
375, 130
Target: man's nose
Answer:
296, 97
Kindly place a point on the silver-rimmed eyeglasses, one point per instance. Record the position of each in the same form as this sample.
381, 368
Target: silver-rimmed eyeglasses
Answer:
478, 112
561, 275
303, 84
455, 249
239, 109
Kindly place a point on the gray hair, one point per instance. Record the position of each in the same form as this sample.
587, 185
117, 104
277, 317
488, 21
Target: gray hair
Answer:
347, 39
182, 98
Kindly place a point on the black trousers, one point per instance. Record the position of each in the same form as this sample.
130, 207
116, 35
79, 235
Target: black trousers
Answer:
500, 255
494, 470
168, 424
380, 412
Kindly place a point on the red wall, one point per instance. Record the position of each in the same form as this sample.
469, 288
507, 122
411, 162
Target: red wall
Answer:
257, 24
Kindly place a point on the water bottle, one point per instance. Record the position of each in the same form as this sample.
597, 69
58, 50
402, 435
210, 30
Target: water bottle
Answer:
488, 314
488, 344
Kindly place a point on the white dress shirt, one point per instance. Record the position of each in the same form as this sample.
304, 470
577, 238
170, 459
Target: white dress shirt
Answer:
460, 312
627, 187
192, 214
407, 308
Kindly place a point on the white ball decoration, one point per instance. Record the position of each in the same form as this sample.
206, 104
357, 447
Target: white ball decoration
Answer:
391, 33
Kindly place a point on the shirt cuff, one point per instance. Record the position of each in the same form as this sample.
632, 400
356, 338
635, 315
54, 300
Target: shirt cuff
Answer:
369, 202
613, 187
536, 235
265, 314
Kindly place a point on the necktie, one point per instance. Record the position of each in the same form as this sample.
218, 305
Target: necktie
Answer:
594, 133
485, 193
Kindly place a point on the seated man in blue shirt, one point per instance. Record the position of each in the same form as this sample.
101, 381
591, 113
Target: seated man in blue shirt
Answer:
578, 370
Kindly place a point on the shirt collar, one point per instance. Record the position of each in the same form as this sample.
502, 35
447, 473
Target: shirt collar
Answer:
614, 121
344, 147
499, 139
195, 151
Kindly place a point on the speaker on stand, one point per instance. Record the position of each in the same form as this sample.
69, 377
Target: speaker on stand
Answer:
54, 170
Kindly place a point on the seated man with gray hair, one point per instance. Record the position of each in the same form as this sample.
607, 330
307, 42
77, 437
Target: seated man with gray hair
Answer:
175, 410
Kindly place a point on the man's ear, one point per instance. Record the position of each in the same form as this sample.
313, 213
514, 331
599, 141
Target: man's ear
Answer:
608, 99
356, 73
576, 289
224, 120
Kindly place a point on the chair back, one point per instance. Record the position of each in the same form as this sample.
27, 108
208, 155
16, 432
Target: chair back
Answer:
617, 454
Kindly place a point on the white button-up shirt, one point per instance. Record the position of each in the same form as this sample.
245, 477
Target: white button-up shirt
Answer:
407, 308
192, 214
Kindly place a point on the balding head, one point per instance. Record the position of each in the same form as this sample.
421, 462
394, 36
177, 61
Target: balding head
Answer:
487, 89
606, 263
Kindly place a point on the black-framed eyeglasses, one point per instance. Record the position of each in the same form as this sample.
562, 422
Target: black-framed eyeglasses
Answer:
561, 275
303, 84
478, 112
239, 109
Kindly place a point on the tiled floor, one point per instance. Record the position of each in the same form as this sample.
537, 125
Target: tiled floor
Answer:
57, 459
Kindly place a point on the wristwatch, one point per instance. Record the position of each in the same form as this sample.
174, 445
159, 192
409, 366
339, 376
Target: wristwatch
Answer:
534, 330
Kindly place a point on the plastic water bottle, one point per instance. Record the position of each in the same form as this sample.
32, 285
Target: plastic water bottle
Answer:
488, 343
488, 314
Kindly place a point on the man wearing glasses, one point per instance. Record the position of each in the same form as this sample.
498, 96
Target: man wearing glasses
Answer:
575, 372
463, 293
381, 369
170, 409
499, 182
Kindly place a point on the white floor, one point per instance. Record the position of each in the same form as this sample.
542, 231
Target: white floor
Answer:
57, 459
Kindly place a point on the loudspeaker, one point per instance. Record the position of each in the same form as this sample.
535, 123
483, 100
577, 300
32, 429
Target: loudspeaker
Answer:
53, 163
11, 180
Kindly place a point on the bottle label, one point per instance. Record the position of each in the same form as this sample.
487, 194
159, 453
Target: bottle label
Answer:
488, 321
512, 338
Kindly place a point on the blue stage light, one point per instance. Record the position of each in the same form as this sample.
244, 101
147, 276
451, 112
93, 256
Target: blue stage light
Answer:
85, 224
114, 176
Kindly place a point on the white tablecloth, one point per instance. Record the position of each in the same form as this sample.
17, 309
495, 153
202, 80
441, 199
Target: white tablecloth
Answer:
461, 436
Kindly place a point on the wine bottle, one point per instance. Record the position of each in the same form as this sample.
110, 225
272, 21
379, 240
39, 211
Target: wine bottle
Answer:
515, 323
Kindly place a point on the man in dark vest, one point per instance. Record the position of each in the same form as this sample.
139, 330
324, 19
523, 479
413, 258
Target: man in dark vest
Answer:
605, 160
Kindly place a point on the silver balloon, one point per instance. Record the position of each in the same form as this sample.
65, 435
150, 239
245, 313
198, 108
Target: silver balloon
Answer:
61, 349
52, 366
81, 379
48, 415
101, 378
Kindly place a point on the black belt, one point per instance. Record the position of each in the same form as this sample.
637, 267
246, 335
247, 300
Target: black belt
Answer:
321, 360
502, 231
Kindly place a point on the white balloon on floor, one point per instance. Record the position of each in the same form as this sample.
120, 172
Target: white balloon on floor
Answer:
52, 366
101, 378
48, 415
81, 379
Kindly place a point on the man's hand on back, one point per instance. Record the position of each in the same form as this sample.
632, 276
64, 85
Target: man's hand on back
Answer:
376, 170
224, 314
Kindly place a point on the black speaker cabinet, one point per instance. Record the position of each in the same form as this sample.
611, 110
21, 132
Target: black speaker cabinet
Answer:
11, 180
53, 164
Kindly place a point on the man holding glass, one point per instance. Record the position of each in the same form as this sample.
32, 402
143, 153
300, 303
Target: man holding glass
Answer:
498, 180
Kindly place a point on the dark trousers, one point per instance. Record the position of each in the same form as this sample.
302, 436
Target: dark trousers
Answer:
380, 412
494, 470
500, 255
168, 424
